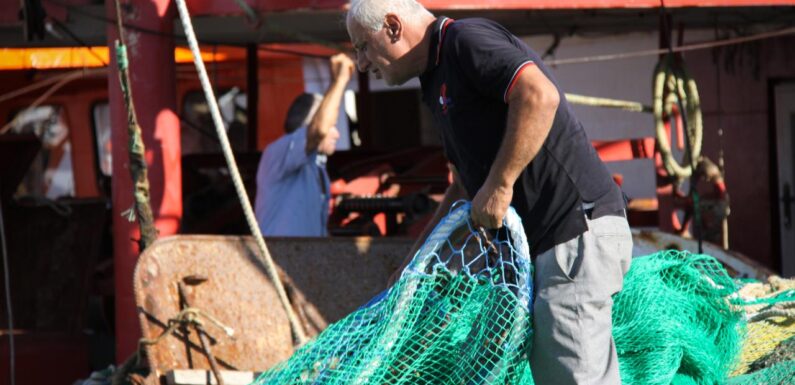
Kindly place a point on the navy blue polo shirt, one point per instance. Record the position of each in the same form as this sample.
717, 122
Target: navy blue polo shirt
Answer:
472, 66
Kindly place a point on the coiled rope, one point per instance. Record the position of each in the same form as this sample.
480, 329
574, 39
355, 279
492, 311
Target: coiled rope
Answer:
674, 88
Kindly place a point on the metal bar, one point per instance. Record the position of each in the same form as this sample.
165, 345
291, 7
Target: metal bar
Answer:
252, 93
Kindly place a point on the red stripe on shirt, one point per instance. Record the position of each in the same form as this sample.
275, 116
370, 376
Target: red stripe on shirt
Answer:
441, 39
515, 78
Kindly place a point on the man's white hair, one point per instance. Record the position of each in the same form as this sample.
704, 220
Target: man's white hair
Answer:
370, 13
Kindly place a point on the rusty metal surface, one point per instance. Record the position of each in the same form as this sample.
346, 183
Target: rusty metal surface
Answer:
325, 278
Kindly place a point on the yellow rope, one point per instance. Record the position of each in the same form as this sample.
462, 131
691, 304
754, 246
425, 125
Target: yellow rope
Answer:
672, 87
609, 103
768, 325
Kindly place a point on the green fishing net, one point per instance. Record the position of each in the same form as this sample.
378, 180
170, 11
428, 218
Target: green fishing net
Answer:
461, 313
674, 323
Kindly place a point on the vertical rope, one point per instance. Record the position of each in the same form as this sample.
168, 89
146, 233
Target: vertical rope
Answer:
141, 207
298, 332
721, 164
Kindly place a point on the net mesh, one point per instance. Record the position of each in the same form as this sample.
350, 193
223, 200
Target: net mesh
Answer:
768, 352
461, 314
673, 321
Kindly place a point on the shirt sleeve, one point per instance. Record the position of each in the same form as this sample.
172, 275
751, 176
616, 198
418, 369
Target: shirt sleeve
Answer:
489, 57
288, 154
295, 155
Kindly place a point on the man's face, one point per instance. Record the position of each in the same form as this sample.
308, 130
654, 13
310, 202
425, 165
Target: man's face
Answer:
379, 53
329, 144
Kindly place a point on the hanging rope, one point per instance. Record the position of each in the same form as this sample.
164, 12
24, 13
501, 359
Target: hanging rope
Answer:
59, 82
141, 207
684, 48
76, 74
298, 332
673, 87
607, 103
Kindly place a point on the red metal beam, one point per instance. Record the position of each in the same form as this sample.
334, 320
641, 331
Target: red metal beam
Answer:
210, 7
627, 149
153, 83
593, 4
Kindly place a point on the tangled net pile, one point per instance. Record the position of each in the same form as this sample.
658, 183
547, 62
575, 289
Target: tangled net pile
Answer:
458, 314
768, 353
674, 322
461, 314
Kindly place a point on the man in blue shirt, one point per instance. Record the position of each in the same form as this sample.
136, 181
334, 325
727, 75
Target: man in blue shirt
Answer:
512, 139
292, 183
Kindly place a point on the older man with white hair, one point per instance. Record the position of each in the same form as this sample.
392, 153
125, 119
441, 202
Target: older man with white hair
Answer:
512, 138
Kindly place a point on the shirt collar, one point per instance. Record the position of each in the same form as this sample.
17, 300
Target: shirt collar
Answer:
321, 159
438, 29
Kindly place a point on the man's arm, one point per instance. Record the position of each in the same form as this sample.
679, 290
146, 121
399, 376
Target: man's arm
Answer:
453, 193
532, 103
326, 116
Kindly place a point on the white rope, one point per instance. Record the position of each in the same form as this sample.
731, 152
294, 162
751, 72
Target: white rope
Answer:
298, 331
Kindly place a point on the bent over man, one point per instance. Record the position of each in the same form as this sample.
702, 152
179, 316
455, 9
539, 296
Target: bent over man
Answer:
513, 140
292, 183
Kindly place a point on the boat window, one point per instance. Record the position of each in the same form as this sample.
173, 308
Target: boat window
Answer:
50, 174
101, 116
198, 131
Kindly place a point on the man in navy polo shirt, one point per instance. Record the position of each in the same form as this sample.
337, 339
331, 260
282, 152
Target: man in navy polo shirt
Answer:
513, 140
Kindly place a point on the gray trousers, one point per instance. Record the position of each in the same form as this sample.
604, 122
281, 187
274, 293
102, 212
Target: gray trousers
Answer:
574, 282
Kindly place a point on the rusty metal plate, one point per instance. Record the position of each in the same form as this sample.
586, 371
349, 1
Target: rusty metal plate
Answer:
325, 278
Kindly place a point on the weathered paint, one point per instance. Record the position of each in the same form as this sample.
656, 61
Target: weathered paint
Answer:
325, 279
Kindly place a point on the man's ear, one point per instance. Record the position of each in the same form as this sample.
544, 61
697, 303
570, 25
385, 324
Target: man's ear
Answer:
394, 26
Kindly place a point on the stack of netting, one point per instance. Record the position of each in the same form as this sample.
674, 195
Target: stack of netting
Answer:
768, 354
458, 315
673, 322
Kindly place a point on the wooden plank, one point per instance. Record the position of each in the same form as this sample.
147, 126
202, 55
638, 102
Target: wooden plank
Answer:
204, 377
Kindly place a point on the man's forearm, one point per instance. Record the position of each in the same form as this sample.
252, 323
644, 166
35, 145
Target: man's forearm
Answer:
327, 113
530, 117
531, 110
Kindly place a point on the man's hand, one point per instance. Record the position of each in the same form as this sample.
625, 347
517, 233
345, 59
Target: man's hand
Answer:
490, 205
342, 67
